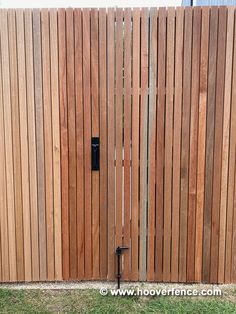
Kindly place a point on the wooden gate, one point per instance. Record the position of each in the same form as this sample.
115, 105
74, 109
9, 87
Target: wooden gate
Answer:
158, 87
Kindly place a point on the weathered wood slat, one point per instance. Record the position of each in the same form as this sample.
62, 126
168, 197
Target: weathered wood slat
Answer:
152, 143
135, 146
201, 143
143, 144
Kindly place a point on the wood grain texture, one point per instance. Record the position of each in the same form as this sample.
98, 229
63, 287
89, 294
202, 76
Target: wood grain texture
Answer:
219, 111
118, 122
39, 126
87, 143
225, 144
161, 72
127, 139
47, 112
201, 142
95, 133
192, 197
177, 143
231, 182
143, 144
152, 142
135, 146
7, 111
209, 143
184, 175
3, 193
70, 64
56, 143
16, 145
168, 143
79, 140
103, 142
111, 142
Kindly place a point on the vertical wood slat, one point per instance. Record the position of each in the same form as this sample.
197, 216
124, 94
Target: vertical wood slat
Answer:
79, 140
193, 146
168, 143
87, 142
71, 141
32, 144
24, 143
118, 113
219, 111
16, 145
3, 192
185, 143
95, 133
47, 112
225, 144
209, 142
152, 142
127, 138
135, 145
201, 142
56, 143
39, 143
64, 142
8, 145
103, 143
111, 142
230, 221
161, 55
143, 143
177, 143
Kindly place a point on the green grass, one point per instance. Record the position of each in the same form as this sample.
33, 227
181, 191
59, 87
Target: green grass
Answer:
90, 301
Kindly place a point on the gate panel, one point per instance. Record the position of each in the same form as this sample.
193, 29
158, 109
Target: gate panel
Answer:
157, 88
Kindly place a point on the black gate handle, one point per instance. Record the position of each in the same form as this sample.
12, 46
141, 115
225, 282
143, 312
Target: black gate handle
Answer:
95, 150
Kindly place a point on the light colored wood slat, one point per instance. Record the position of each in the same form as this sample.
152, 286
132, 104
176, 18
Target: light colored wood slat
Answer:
3, 185
233, 256
8, 144
111, 143
127, 139
32, 144
56, 143
103, 143
64, 143
161, 55
40, 143
192, 192
87, 143
119, 113
79, 140
177, 144
152, 143
231, 181
143, 143
219, 111
225, 145
95, 133
209, 143
201, 142
71, 141
48, 146
185, 144
135, 145
24, 143
16, 146
168, 143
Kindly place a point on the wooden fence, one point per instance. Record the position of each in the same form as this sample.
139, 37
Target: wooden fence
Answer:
158, 87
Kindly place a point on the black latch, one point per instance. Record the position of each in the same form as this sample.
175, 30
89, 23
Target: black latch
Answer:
95, 153
119, 251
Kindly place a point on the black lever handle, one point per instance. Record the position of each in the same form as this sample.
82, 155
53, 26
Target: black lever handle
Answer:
95, 150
